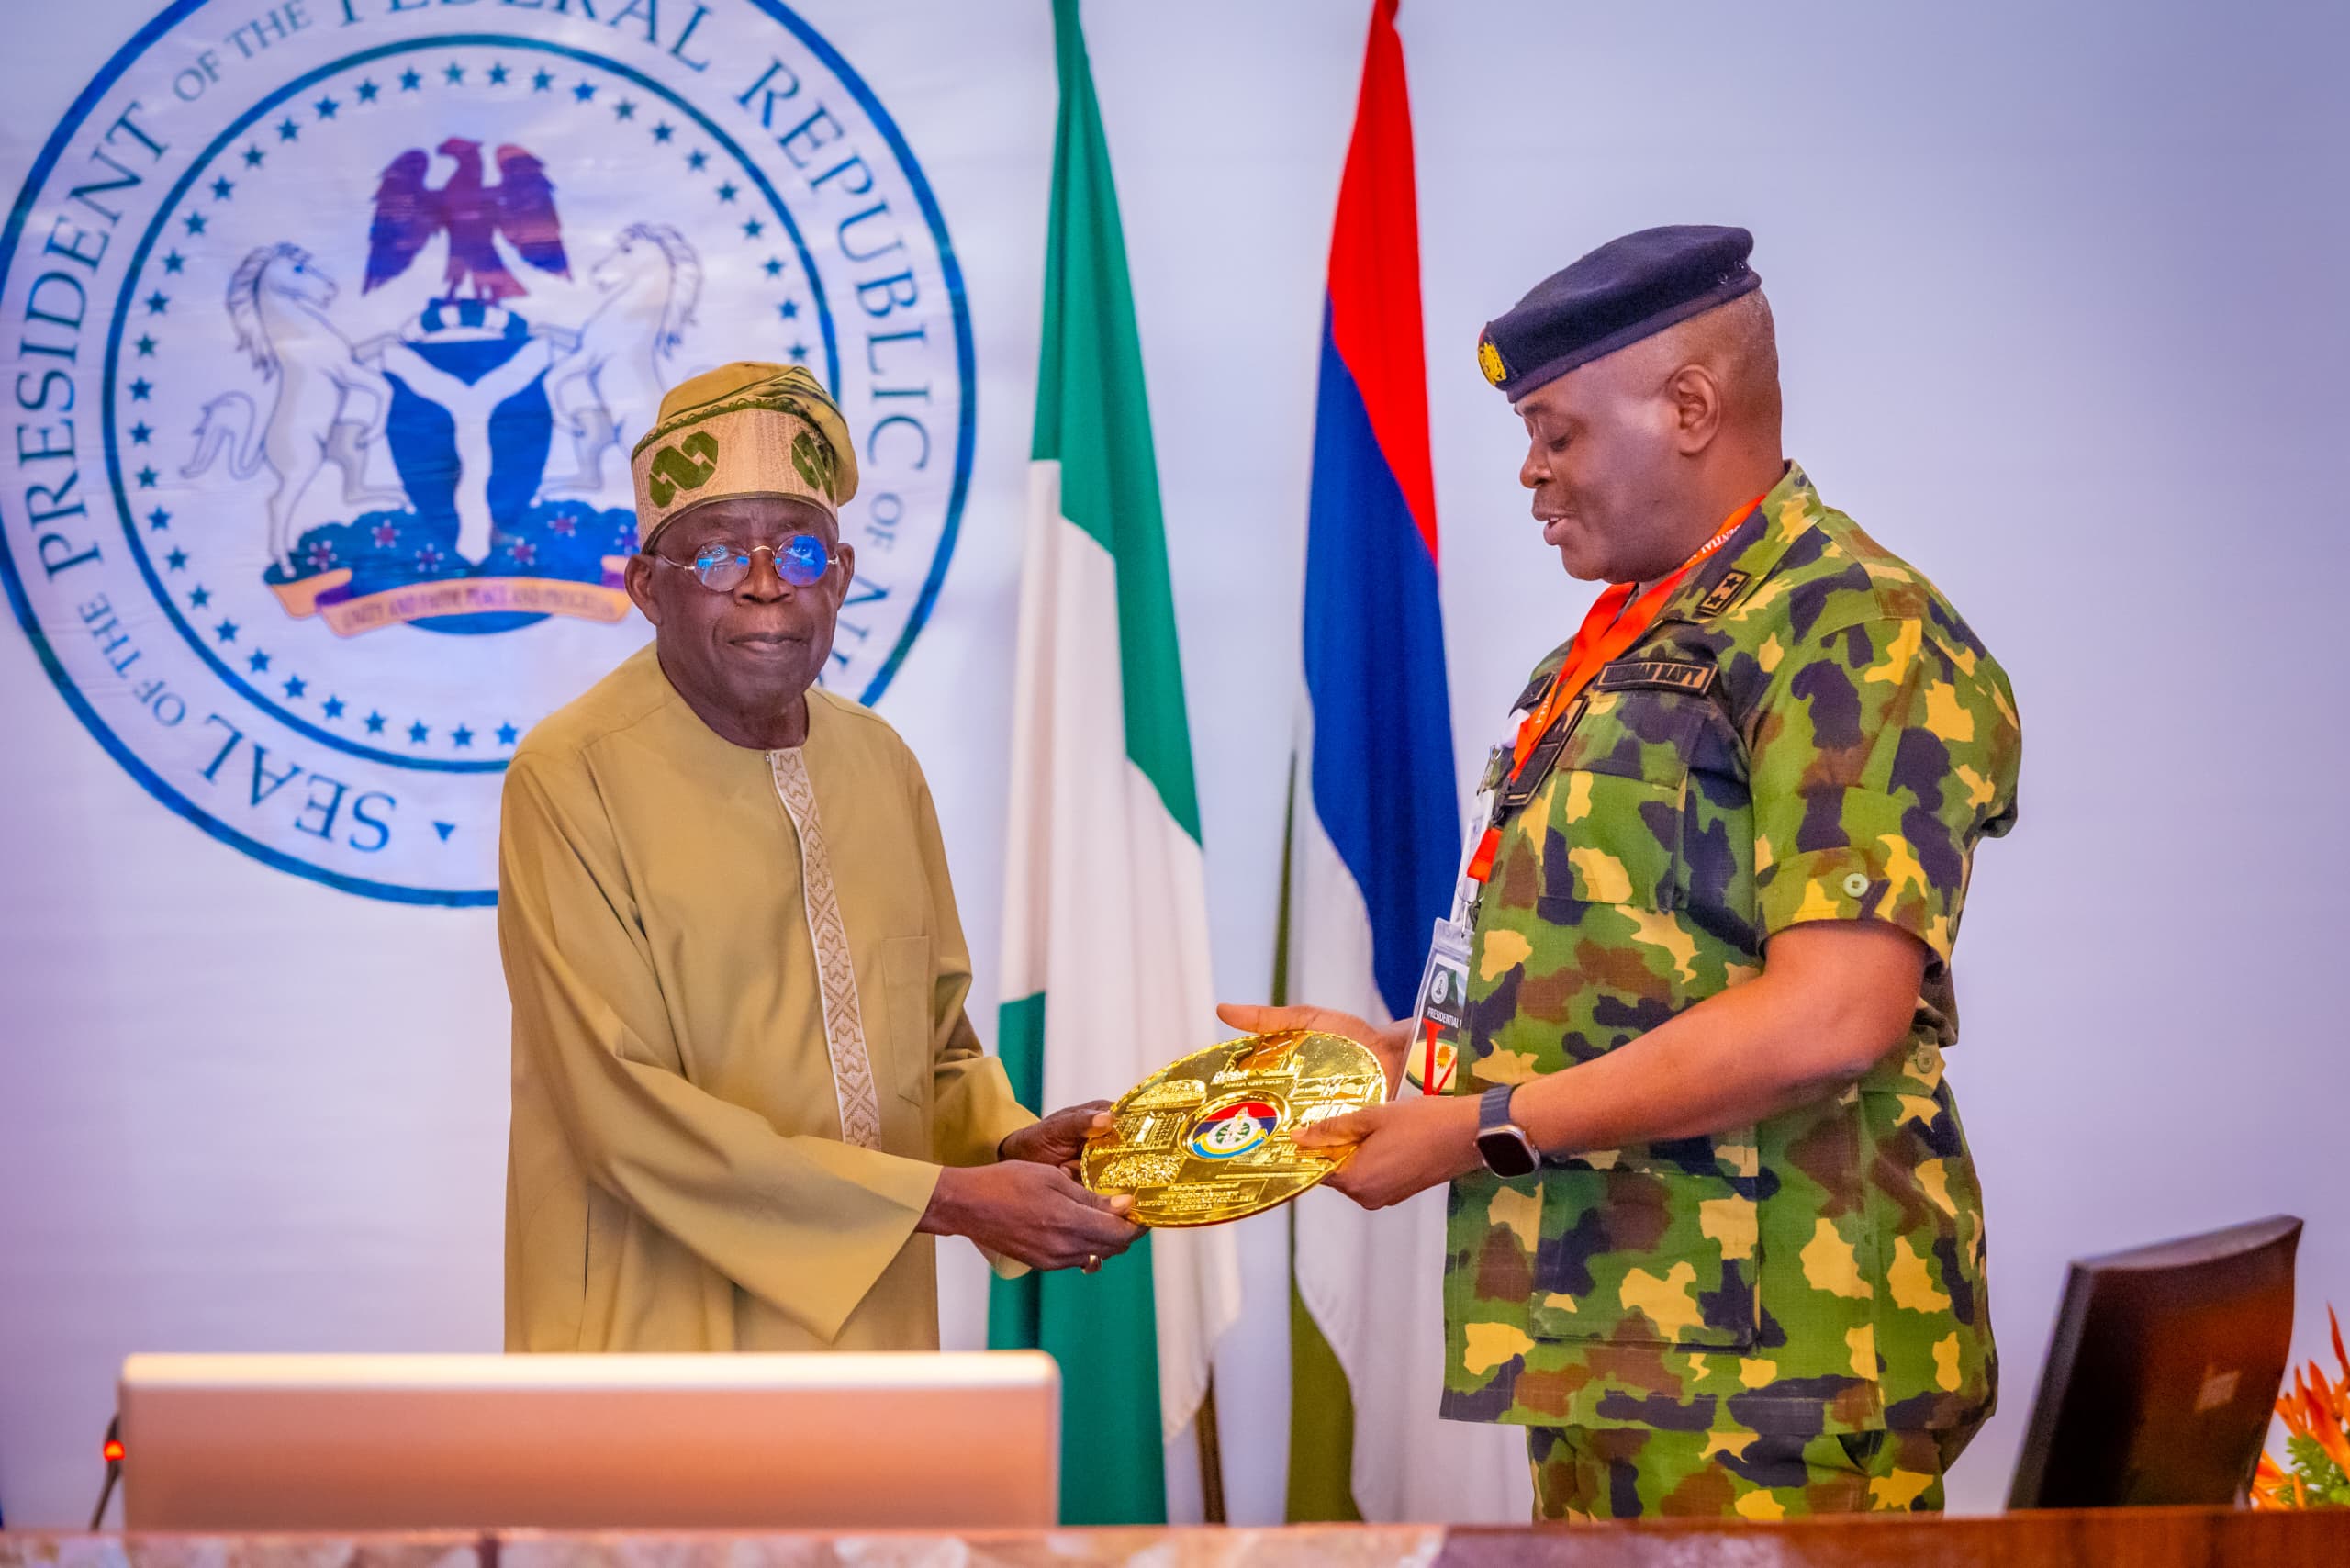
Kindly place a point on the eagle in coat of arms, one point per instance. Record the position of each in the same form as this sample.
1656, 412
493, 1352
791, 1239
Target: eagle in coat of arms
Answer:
520, 207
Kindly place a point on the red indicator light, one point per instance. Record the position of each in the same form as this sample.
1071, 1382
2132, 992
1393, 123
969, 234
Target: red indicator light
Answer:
113, 1451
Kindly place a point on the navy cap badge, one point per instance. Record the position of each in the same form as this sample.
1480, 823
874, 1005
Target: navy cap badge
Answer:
1489, 360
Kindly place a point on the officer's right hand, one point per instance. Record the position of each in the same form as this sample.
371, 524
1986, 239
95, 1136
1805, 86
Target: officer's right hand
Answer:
1034, 1213
1388, 1044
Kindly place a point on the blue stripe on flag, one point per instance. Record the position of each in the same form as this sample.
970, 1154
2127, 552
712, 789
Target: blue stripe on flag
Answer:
1382, 776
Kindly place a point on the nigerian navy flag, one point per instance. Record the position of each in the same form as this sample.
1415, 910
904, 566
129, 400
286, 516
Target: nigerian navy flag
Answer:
1374, 843
1105, 923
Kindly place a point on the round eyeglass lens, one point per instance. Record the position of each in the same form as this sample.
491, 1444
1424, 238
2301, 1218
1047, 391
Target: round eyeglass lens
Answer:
721, 565
802, 560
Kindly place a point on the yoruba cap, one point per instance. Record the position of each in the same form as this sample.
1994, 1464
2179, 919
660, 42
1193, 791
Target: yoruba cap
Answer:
746, 429
1627, 289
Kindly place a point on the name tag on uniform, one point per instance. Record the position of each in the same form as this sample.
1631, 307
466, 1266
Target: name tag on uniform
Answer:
1658, 675
1440, 1017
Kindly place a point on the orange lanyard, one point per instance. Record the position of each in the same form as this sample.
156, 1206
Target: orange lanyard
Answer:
1616, 621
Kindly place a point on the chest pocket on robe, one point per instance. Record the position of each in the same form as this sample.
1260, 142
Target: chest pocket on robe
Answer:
906, 989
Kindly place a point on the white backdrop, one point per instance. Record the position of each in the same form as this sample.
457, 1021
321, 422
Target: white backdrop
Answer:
2060, 305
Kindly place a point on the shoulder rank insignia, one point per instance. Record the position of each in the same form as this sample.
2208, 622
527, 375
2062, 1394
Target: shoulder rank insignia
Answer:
1531, 697
1719, 597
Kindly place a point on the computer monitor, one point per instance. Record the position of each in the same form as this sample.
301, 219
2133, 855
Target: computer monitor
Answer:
370, 1443
2162, 1372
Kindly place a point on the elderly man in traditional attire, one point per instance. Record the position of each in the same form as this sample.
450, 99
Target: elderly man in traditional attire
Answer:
745, 1093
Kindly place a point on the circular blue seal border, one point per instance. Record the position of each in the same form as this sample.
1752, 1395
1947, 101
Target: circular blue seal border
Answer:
966, 362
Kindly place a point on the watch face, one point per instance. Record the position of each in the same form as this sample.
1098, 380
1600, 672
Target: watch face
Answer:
1506, 1153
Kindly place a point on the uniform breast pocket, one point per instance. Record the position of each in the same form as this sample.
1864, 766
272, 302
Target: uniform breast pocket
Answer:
905, 986
1649, 1252
1615, 806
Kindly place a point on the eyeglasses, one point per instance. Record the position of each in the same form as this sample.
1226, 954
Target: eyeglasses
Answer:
724, 565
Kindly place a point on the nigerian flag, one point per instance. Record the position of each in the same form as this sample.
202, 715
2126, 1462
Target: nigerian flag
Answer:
1106, 928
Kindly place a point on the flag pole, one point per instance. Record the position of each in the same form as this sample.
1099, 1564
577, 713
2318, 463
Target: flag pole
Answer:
1211, 1458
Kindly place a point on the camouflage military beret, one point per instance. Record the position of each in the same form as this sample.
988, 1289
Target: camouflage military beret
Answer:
1626, 290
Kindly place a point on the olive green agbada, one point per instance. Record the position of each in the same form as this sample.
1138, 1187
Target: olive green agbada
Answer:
678, 1178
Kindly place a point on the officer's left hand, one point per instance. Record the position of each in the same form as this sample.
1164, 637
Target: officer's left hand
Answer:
1402, 1146
1060, 1138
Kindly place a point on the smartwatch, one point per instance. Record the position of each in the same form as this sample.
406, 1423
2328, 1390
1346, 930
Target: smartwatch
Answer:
1501, 1143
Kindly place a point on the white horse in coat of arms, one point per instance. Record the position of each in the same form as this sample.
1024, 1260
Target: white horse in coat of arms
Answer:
277, 302
651, 280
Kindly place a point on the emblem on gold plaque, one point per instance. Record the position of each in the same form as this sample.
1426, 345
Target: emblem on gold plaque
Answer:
1207, 1138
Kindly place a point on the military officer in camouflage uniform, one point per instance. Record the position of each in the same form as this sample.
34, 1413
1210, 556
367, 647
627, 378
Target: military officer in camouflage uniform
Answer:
1710, 953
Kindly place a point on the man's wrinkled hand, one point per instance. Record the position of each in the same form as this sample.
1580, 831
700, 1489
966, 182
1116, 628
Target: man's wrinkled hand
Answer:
1059, 1138
1400, 1147
1034, 1213
1387, 1042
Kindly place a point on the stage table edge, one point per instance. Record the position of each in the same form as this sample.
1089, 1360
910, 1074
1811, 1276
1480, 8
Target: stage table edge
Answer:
2139, 1538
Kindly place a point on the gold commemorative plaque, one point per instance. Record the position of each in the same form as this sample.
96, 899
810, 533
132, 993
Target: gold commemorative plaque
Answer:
1207, 1138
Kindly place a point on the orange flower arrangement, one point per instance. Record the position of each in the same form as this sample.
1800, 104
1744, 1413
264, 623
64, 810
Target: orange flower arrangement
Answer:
2316, 1413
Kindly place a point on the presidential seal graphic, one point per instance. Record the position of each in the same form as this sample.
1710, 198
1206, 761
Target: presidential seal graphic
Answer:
333, 327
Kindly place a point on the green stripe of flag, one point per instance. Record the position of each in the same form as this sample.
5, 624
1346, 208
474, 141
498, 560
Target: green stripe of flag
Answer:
1321, 1404
1092, 415
1103, 1330
1321, 1425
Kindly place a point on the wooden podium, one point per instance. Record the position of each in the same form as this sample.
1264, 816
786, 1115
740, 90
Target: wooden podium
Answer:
2121, 1538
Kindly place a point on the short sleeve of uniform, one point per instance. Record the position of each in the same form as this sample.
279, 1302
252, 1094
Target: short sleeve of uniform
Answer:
1882, 753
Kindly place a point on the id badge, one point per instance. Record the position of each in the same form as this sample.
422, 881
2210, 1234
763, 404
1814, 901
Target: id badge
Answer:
1439, 1020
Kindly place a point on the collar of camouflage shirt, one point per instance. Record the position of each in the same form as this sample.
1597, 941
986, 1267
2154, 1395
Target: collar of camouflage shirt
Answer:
1786, 514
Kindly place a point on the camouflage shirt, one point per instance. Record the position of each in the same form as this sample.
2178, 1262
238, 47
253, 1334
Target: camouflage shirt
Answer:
1809, 732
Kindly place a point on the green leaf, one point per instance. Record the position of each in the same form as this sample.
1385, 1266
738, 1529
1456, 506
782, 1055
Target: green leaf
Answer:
2320, 1477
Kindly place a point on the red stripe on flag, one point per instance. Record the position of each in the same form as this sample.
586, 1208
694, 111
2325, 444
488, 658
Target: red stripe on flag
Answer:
1375, 271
